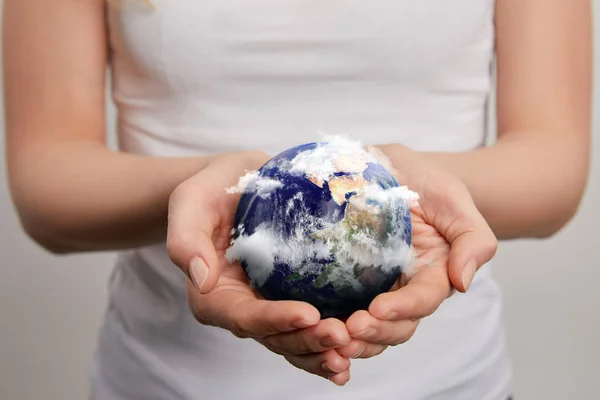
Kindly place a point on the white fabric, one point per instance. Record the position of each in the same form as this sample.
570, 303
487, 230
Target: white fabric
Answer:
197, 77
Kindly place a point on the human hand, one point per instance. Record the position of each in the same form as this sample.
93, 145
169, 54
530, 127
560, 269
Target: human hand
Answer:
451, 240
201, 219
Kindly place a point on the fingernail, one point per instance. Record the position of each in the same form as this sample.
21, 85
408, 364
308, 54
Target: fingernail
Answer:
366, 334
468, 274
198, 272
329, 342
325, 368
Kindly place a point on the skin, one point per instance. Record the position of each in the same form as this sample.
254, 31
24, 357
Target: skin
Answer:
449, 235
528, 184
544, 83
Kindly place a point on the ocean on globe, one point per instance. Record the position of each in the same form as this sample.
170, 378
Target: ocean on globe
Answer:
324, 223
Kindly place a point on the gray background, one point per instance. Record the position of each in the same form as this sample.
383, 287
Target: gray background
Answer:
50, 307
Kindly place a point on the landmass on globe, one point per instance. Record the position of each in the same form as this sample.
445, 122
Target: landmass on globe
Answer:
324, 222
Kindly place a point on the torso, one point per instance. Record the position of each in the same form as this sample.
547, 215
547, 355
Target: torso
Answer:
201, 77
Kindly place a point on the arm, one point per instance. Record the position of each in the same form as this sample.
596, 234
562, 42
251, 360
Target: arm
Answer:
71, 192
529, 184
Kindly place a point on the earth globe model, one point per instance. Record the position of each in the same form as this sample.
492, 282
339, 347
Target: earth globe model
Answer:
324, 223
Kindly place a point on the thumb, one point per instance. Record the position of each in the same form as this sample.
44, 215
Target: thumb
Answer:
474, 246
192, 223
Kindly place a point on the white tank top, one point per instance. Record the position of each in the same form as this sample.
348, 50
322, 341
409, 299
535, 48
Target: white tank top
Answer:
197, 77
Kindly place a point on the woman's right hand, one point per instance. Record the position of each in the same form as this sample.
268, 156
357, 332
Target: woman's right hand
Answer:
201, 219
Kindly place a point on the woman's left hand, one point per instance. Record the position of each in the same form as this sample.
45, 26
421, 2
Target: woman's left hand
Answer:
451, 241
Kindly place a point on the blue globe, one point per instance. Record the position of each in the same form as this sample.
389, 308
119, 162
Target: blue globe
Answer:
324, 223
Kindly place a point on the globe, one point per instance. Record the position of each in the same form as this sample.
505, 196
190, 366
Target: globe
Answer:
325, 223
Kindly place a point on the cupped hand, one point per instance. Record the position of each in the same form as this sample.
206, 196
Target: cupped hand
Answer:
201, 219
451, 241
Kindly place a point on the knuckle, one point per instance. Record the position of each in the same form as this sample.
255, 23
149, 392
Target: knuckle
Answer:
199, 316
179, 248
382, 349
201, 319
426, 312
270, 327
413, 329
298, 343
405, 335
373, 350
492, 246
400, 340
428, 304
273, 344
238, 331
310, 344
377, 350
388, 338
416, 306
175, 247
237, 325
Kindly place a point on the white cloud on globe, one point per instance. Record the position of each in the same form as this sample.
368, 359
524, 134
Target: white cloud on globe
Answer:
368, 246
377, 193
319, 163
254, 182
257, 251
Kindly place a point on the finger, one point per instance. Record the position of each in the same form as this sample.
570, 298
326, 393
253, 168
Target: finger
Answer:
328, 364
471, 249
363, 326
341, 379
247, 317
327, 334
421, 296
471, 239
192, 223
360, 349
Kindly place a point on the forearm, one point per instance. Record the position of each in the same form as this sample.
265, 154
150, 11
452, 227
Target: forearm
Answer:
524, 185
83, 197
